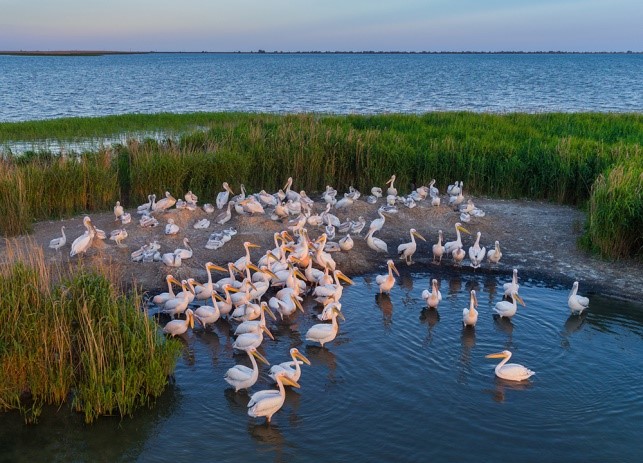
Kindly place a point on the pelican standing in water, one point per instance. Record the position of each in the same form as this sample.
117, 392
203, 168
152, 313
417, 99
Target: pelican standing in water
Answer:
222, 198
387, 281
508, 309
325, 332
162, 298
208, 314
242, 377
512, 286
433, 297
178, 327
451, 245
292, 368
267, 403
438, 248
470, 315
59, 242
494, 254
406, 250
477, 253
575, 302
510, 371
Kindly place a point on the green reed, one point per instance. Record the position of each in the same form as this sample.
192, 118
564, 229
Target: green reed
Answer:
555, 157
70, 333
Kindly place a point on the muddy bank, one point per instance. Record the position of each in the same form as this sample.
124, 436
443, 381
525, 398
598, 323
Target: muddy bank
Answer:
539, 239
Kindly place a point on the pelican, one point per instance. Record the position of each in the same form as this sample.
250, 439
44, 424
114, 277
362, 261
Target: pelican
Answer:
190, 197
387, 281
292, 368
510, 371
287, 307
247, 340
161, 299
377, 224
126, 218
391, 191
346, 243
254, 326
434, 297
376, 244
322, 258
494, 254
208, 208
203, 292
222, 198
454, 190
145, 207
334, 290
376, 192
185, 252
406, 250
201, 224
344, 203
435, 201
508, 309
267, 403
171, 228
118, 236
207, 314
266, 198
178, 327
476, 253
458, 255
575, 302
242, 377
512, 286
243, 261
59, 242
470, 315
172, 259
164, 204
118, 210
451, 245
84, 241
179, 304
438, 248
329, 195
358, 225
325, 332
224, 216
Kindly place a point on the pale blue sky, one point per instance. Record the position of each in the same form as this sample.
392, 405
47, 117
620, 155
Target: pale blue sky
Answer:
293, 25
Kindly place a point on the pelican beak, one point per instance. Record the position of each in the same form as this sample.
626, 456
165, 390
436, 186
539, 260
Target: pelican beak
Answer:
287, 236
216, 296
419, 236
395, 269
463, 230
175, 281
267, 331
302, 357
475, 300
339, 314
272, 256
268, 311
260, 357
232, 289
519, 299
216, 267
297, 303
497, 355
300, 275
253, 267
191, 320
289, 382
269, 273
342, 276
252, 245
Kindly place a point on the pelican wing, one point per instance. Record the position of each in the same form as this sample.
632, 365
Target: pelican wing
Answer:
238, 373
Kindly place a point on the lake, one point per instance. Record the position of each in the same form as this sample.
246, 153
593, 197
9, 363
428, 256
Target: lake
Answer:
44, 87
399, 383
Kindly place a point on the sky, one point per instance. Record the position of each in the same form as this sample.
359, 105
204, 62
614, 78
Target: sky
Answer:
322, 25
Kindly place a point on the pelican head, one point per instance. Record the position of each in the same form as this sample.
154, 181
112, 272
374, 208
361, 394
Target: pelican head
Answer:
261, 358
264, 307
190, 316
342, 276
499, 355
281, 376
416, 234
392, 266
295, 353
248, 244
391, 180
474, 298
517, 297
213, 266
265, 329
295, 301
459, 226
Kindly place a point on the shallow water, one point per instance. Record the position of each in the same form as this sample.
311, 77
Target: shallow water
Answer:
399, 383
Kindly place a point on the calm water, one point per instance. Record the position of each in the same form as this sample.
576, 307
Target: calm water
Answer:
49, 87
399, 383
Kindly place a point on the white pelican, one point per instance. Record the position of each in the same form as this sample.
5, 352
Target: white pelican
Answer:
376, 244
171, 228
59, 242
358, 225
179, 304
508, 309
126, 218
147, 221
575, 302
208, 208
222, 198
406, 250
510, 371
172, 259
247, 340
494, 254
208, 314
458, 255
98, 233
387, 281
225, 305
203, 292
162, 298
266, 198
325, 332
512, 286
267, 403
145, 207
435, 201
391, 191
449, 246
476, 253
118, 236
377, 224
434, 297
454, 189
433, 191
190, 197
244, 260
224, 216
292, 368
252, 206
334, 290
185, 252
346, 243
344, 203
288, 306
164, 204
84, 241
376, 191
322, 258
254, 326
118, 210
201, 224
470, 315
178, 327
329, 195
438, 248
242, 377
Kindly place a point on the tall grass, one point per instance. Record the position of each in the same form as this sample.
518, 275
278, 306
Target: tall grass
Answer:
555, 157
70, 333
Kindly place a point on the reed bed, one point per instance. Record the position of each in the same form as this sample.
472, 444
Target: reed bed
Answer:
554, 157
70, 334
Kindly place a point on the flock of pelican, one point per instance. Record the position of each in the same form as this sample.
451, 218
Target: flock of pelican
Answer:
296, 266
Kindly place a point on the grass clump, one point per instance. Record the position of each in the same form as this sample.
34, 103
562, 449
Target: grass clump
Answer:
72, 334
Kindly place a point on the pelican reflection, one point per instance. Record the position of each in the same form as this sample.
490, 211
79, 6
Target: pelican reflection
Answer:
385, 304
431, 317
